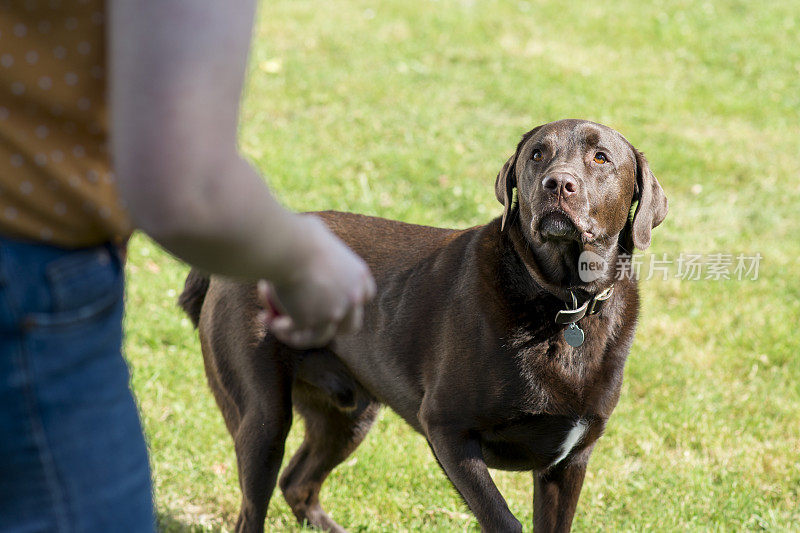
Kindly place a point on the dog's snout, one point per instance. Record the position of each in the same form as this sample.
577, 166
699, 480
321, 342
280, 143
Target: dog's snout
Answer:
560, 182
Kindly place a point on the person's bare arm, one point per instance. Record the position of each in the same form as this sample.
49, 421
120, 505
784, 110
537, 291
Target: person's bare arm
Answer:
176, 75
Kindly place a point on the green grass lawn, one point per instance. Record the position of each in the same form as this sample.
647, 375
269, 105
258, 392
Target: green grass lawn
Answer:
408, 110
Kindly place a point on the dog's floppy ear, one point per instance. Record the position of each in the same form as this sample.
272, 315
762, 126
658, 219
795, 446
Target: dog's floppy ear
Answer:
507, 180
504, 188
652, 207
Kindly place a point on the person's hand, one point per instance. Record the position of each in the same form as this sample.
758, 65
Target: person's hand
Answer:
324, 296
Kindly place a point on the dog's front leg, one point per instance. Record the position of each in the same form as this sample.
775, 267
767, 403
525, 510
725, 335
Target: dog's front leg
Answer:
555, 495
460, 455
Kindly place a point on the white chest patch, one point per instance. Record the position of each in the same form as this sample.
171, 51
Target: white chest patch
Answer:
573, 437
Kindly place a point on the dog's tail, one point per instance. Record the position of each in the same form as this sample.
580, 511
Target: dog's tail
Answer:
194, 292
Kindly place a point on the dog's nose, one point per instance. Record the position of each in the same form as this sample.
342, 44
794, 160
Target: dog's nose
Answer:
561, 182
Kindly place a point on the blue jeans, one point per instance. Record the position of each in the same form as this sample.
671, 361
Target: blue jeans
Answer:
72, 452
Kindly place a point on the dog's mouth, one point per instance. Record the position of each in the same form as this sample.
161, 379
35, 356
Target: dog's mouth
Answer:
558, 226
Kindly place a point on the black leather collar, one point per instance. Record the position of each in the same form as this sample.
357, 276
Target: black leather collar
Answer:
590, 307
566, 316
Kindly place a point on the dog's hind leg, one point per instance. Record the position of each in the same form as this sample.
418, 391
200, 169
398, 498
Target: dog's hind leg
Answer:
331, 434
259, 442
251, 376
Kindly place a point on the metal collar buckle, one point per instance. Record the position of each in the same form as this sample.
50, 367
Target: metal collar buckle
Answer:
570, 316
596, 303
589, 307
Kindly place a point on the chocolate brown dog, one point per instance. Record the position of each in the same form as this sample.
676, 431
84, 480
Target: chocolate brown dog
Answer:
466, 339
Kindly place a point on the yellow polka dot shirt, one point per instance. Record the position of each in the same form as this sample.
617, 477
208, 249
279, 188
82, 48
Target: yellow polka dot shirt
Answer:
56, 184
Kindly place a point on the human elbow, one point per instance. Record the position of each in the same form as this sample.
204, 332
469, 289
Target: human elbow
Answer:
169, 202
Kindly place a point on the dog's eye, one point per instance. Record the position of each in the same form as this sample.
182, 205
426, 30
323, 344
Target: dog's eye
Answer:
537, 155
600, 158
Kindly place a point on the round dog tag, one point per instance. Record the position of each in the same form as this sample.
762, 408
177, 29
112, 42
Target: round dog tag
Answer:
573, 335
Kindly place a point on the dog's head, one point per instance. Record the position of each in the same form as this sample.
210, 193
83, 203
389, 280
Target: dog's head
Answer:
576, 183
